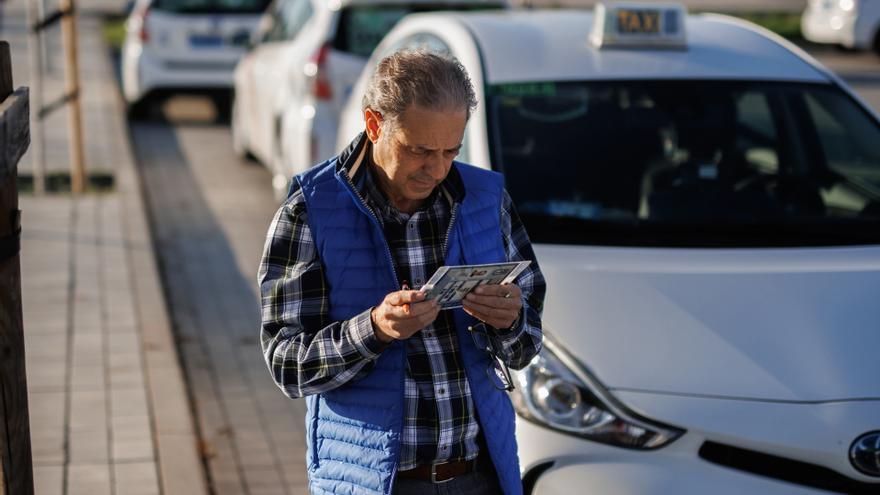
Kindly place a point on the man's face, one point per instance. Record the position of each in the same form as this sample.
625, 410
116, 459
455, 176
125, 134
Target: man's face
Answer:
413, 157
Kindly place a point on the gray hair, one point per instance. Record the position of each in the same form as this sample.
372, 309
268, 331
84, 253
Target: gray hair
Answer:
421, 77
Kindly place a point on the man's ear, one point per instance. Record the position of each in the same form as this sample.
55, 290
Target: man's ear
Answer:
373, 123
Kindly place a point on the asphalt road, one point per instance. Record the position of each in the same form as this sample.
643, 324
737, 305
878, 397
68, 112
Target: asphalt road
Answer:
210, 212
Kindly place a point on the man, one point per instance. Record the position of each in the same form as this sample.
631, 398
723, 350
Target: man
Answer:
400, 397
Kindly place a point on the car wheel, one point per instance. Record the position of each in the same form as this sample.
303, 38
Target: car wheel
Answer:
845, 49
222, 107
876, 44
146, 109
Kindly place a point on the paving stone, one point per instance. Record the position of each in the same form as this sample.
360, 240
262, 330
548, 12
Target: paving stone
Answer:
88, 349
46, 410
87, 376
128, 402
123, 342
88, 427
264, 481
136, 478
48, 480
46, 374
127, 374
132, 438
44, 347
88, 479
180, 464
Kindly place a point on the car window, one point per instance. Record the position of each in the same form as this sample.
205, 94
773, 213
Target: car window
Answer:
286, 19
361, 27
211, 6
757, 140
849, 142
688, 162
293, 15
848, 137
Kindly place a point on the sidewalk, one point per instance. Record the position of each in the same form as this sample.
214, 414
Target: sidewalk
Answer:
108, 404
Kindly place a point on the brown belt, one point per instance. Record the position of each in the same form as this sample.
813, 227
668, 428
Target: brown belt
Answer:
439, 473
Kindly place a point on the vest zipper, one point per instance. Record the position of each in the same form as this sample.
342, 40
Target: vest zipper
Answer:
449, 229
377, 222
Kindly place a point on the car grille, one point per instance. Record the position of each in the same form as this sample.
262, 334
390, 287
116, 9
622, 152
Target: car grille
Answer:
781, 468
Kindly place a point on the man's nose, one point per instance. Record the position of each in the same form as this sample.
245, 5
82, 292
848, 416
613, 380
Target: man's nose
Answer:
435, 165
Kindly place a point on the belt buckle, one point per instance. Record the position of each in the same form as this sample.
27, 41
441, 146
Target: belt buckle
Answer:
434, 474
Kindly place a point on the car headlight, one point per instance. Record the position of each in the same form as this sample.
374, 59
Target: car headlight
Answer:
556, 392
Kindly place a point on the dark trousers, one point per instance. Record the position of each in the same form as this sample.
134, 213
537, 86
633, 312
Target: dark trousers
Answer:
483, 481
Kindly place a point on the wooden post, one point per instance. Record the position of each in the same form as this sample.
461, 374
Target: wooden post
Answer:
74, 111
15, 438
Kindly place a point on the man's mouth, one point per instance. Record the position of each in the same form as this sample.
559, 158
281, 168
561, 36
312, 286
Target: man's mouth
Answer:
424, 183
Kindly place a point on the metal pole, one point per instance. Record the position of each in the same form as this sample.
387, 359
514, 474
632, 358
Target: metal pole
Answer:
44, 42
74, 111
35, 51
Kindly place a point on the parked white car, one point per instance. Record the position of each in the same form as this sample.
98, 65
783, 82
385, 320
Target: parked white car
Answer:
704, 200
852, 24
185, 46
307, 54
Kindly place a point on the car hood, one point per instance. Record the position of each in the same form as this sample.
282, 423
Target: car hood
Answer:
766, 324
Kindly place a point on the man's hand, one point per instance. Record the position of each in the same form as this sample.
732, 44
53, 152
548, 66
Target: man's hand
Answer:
496, 305
402, 314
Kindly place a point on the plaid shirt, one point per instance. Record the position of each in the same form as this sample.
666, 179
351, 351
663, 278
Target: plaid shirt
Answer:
308, 354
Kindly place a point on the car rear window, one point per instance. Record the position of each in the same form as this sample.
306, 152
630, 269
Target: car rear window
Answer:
362, 27
212, 6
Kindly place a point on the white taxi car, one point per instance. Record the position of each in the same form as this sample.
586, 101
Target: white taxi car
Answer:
307, 55
704, 200
185, 46
848, 23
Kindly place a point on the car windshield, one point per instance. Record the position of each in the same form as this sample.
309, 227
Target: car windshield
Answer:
688, 163
362, 27
212, 6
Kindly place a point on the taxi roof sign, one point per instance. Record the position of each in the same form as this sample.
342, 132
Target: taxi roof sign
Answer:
645, 25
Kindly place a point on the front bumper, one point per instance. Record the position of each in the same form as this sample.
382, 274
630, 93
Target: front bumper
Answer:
664, 474
729, 446
143, 71
581, 466
825, 27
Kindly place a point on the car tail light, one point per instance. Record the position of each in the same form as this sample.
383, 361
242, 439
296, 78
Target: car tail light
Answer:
140, 23
316, 68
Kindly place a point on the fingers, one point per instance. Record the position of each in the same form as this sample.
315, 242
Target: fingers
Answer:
504, 322
497, 296
402, 297
506, 291
492, 312
497, 305
414, 310
401, 321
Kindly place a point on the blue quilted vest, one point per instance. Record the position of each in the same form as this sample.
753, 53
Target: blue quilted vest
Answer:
353, 432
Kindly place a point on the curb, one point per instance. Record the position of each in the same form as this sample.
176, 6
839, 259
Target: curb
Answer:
181, 470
